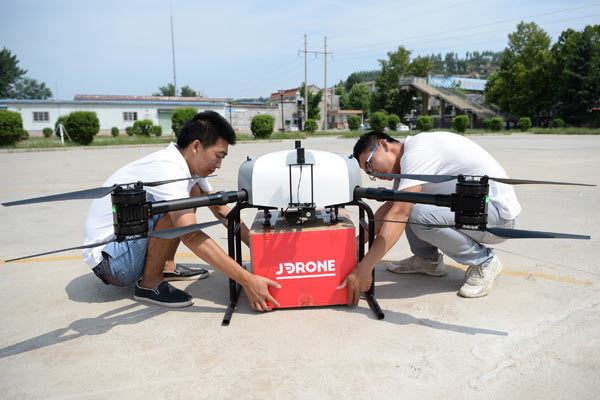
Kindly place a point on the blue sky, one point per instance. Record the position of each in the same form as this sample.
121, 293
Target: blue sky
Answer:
250, 48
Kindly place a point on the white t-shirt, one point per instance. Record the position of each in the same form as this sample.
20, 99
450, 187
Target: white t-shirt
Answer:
161, 165
445, 153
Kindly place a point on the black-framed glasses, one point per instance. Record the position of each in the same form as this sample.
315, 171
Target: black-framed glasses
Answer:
368, 165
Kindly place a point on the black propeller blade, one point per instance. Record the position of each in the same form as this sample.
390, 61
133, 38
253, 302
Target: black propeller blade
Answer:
446, 178
506, 233
95, 193
162, 234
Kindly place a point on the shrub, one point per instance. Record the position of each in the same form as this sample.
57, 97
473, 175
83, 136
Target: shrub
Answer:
129, 131
63, 119
157, 130
353, 122
393, 121
82, 126
487, 124
114, 131
24, 134
378, 121
524, 124
47, 132
496, 124
558, 123
310, 125
180, 117
460, 123
262, 126
142, 127
11, 127
424, 123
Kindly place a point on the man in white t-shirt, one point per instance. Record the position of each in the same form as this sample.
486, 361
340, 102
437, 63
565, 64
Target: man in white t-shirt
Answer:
201, 146
432, 153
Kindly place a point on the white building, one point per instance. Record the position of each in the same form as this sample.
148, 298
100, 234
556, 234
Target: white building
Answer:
112, 111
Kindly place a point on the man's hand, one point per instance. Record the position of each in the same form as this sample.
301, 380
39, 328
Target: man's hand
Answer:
257, 289
359, 280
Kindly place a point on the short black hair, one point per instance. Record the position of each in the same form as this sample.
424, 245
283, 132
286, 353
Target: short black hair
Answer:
207, 127
368, 141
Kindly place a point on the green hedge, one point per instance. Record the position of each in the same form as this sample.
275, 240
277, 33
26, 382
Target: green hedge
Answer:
157, 130
142, 127
424, 123
353, 122
129, 131
47, 132
558, 123
114, 131
393, 121
496, 124
180, 117
82, 126
524, 124
262, 126
310, 125
11, 128
378, 121
460, 123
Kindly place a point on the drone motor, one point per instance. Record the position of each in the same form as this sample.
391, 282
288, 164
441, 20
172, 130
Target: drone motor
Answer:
131, 212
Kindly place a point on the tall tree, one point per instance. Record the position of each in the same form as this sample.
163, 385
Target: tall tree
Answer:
389, 96
344, 101
26, 88
313, 103
576, 73
187, 91
523, 86
352, 80
359, 98
10, 72
164, 91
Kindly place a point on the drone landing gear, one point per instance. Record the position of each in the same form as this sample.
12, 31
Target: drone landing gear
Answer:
234, 241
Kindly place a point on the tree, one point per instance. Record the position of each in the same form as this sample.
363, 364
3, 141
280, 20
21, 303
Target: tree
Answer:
26, 88
389, 96
164, 91
352, 80
313, 103
359, 98
576, 73
187, 91
344, 101
13, 83
10, 73
523, 85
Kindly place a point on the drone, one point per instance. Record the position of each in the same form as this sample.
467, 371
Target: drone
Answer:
301, 186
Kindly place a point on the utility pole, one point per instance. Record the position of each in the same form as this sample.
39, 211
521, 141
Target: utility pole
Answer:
305, 82
325, 98
173, 48
325, 53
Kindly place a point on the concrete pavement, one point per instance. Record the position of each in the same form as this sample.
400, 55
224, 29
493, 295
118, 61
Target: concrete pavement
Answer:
63, 334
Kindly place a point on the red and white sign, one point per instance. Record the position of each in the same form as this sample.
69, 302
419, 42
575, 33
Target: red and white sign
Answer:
309, 265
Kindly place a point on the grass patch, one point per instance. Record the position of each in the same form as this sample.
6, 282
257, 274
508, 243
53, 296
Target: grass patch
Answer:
565, 131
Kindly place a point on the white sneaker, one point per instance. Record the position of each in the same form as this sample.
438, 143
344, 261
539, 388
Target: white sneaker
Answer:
419, 265
479, 280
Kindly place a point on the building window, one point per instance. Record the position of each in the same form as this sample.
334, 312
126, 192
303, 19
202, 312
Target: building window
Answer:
129, 116
41, 116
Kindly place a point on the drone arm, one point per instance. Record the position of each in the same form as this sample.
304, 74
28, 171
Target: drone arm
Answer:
381, 194
218, 198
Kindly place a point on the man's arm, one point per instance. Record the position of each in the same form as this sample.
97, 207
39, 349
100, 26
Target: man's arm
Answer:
359, 280
203, 246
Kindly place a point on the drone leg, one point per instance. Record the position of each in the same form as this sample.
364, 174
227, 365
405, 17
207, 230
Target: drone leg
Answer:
370, 294
234, 244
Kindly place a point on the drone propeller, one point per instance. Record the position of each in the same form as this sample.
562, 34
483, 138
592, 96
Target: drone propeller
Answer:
162, 234
506, 233
94, 193
446, 178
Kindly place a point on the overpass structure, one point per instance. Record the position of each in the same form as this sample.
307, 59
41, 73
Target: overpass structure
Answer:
474, 111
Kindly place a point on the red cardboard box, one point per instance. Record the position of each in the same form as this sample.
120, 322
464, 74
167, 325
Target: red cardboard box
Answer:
309, 261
